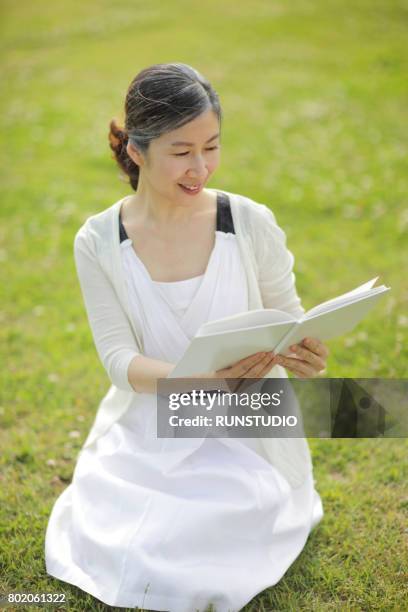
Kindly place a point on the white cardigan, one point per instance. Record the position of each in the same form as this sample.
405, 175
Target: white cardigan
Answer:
271, 284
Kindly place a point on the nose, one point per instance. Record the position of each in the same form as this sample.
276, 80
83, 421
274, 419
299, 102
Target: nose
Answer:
197, 168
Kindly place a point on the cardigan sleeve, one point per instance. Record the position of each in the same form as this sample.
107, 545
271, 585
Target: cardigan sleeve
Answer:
110, 327
277, 281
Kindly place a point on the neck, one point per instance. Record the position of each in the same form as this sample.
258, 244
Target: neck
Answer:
157, 210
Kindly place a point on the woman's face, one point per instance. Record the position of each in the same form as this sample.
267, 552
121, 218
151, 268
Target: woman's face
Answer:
185, 156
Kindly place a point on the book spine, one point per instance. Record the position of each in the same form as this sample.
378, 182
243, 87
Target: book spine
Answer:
285, 341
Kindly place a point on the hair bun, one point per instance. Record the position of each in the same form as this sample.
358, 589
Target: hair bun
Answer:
117, 137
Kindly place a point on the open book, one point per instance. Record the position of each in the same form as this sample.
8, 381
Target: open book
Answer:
223, 342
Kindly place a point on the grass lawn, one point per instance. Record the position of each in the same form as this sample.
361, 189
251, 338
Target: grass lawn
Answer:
314, 95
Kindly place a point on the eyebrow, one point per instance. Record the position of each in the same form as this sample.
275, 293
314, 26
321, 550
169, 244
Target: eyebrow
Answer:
191, 144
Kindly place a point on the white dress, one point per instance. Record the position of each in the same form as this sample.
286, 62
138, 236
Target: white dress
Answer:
140, 525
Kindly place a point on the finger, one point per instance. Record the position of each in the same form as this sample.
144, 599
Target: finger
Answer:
268, 367
306, 355
297, 366
255, 370
251, 359
304, 372
316, 346
243, 366
238, 368
262, 367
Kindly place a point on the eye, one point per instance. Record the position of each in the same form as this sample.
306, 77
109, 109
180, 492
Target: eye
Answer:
187, 152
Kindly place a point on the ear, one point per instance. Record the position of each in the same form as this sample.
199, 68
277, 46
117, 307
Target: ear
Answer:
134, 154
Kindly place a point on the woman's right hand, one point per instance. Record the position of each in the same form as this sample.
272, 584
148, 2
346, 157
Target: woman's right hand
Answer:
254, 366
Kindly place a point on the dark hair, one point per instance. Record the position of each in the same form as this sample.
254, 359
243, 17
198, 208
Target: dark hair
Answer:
160, 98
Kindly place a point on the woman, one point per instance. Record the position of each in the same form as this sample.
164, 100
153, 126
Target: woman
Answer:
179, 526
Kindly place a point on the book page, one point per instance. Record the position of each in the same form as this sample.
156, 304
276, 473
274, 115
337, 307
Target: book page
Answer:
339, 303
343, 298
330, 324
245, 320
223, 349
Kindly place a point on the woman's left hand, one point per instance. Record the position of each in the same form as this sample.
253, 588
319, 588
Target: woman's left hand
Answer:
310, 360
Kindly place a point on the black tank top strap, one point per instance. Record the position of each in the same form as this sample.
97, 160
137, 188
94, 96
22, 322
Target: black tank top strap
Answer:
224, 217
122, 232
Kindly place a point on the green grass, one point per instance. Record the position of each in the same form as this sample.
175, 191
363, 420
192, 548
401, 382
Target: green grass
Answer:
314, 96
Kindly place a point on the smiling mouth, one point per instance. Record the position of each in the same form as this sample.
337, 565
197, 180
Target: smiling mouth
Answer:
191, 188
